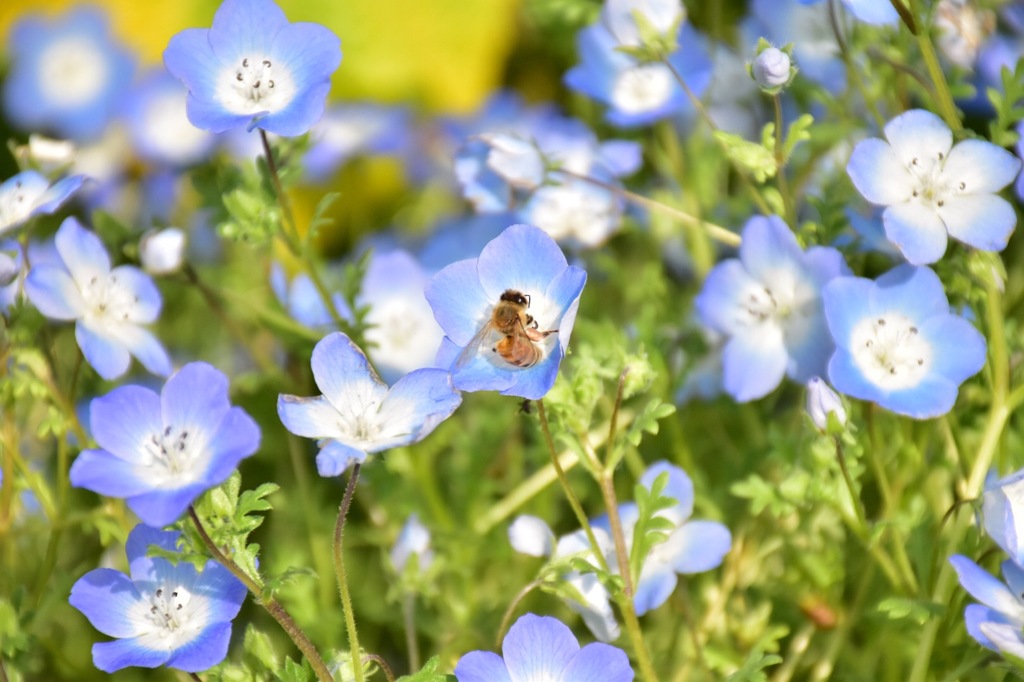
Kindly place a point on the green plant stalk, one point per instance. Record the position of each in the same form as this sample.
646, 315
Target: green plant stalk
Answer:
852, 70
321, 559
782, 183
273, 607
412, 644
339, 571
506, 619
943, 97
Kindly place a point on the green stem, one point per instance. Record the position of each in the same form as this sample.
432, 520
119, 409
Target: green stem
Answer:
943, 97
852, 69
195, 677
339, 569
412, 643
716, 232
506, 619
780, 165
273, 607
858, 506
385, 668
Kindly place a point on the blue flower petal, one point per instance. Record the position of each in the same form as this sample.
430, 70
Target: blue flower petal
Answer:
702, 546
312, 417
597, 662
163, 507
523, 258
206, 650
825, 264
142, 536
335, 457
343, 374
873, 11
535, 382
107, 356
679, 486
958, 348
195, 397
481, 666
1014, 575
982, 166
974, 616
105, 474
51, 290
769, 246
419, 401
124, 653
189, 58
237, 437
915, 292
1007, 637
847, 377
620, 157
484, 371
917, 230
241, 27
565, 291
846, 304
934, 396
105, 597
460, 304
82, 252
918, 133
311, 52
753, 365
985, 588
538, 648
653, 589
124, 420
146, 347
147, 296
983, 221
718, 302
878, 174
57, 194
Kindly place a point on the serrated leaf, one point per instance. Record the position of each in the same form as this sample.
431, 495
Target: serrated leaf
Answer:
798, 131
295, 672
650, 529
755, 158
428, 673
290, 575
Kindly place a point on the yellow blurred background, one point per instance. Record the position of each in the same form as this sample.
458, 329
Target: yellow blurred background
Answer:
444, 55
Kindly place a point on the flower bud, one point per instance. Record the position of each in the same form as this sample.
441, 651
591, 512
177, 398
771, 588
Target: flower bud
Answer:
162, 252
414, 539
772, 68
820, 401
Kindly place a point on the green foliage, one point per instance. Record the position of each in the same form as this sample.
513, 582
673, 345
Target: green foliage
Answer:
1009, 106
430, 672
651, 528
756, 159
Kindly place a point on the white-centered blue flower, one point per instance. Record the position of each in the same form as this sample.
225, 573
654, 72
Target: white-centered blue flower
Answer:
254, 68
897, 344
1003, 511
348, 130
109, 305
692, 546
161, 452
998, 622
543, 649
158, 124
768, 303
620, 18
868, 11
29, 194
161, 613
358, 414
67, 75
525, 272
932, 188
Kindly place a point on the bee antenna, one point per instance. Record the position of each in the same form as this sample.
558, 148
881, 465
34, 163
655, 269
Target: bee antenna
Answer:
527, 297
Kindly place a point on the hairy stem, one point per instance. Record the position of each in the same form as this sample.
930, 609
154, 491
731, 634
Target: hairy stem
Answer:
273, 607
339, 571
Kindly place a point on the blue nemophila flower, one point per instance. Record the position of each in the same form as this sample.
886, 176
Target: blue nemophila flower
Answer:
412, 541
254, 68
357, 413
67, 75
998, 622
897, 343
768, 303
29, 194
868, 11
692, 546
508, 314
1003, 511
161, 452
931, 187
542, 648
109, 305
161, 613
638, 93
158, 124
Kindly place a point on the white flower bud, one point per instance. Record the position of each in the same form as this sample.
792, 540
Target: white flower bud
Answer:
1003, 511
163, 251
820, 401
530, 535
46, 154
771, 68
413, 539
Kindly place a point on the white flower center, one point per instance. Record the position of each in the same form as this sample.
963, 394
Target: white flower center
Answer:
404, 332
642, 88
930, 186
790, 303
169, 131
255, 85
890, 352
16, 204
168, 610
72, 71
174, 452
108, 300
569, 211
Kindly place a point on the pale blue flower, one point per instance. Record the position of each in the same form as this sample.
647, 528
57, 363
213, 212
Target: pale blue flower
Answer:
161, 613
998, 622
29, 194
868, 11
413, 541
358, 414
821, 402
768, 303
931, 187
254, 68
348, 130
522, 261
897, 343
161, 452
109, 305
67, 75
1003, 511
540, 648
158, 125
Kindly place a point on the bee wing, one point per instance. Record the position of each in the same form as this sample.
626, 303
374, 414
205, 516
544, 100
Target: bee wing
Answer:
483, 339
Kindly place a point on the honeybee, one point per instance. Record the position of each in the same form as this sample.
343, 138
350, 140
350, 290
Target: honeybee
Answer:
517, 329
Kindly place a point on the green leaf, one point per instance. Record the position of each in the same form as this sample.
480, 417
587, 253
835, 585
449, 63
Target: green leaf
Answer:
757, 159
798, 131
296, 672
651, 529
647, 420
428, 673
291, 574
259, 650
916, 610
